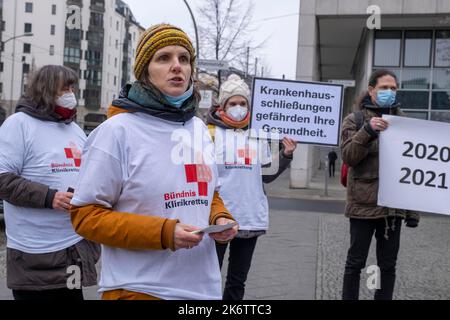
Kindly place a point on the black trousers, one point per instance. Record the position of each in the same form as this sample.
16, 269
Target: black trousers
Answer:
49, 295
332, 168
239, 263
361, 233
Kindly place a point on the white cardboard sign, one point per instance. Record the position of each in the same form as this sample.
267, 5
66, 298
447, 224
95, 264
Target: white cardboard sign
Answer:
309, 112
207, 99
415, 165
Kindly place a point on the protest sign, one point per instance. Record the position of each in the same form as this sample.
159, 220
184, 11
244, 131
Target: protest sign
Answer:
309, 112
415, 165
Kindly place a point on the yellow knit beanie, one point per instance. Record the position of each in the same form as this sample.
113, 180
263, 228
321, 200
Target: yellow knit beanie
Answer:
156, 38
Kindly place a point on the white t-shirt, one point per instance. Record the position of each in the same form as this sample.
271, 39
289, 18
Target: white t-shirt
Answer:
239, 159
48, 153
132, 163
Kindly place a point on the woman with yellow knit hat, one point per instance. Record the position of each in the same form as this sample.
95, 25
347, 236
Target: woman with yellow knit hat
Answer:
139, 198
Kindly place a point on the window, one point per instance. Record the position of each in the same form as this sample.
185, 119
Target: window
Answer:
413, 99
72, 55
442, 49
1, 66
115, 62
417, 48
417, 115
28, 28
95, 38
28, 7
26, 48
52, 30
94, 57
93, 77
115, 80
416, 78
422, 65
52, 50
97, 19
74, 35
441, 79
387, 48
54, 9
440, 100
3, 25
25, 68
440, 116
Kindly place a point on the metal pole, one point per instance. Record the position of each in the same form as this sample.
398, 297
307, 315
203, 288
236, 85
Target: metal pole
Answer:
14, 49
13, 53
248, 58
196, 33
256, 67
327, 164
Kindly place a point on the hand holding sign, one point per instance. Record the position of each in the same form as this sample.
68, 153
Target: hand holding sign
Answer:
290, 146
378, 124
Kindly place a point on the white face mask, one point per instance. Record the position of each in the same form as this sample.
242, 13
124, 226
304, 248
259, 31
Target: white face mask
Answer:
67, 100
237, 113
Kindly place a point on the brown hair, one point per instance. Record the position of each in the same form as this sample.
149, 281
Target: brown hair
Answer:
373, 81
46, 83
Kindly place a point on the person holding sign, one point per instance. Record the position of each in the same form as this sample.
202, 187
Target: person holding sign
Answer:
143, 205
241, 178
359, 146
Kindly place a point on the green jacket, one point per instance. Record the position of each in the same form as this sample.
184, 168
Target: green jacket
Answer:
359, 150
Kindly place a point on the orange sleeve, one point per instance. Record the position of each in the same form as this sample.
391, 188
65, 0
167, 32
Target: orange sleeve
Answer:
113, 111
123, 230
218, 210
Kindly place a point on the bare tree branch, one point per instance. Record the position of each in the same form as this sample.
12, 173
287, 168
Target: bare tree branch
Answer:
225, 29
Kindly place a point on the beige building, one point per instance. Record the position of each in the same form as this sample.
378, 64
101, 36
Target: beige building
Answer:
336, 42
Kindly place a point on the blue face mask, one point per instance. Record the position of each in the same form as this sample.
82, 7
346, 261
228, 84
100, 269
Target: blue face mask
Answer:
386, 98
178, 101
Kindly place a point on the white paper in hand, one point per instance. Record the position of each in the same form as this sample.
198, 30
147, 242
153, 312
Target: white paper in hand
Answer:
216, 228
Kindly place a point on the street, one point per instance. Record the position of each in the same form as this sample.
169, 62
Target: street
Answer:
303, 256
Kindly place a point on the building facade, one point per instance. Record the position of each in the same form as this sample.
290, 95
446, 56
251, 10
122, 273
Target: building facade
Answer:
339, 40
96, 38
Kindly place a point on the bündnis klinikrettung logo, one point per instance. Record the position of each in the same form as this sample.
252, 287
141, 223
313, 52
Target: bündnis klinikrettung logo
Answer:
73, 154
199, 174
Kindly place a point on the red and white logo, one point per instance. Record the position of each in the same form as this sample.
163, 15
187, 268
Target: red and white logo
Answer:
247, 155
200, 174
73, 153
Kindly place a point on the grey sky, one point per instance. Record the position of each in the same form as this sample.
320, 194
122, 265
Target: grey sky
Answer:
280, 51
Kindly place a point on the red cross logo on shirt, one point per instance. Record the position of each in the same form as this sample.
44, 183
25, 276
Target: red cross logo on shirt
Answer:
200, 174
73, 153
247, 154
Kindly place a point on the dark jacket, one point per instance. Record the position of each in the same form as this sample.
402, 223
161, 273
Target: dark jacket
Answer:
360, 152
